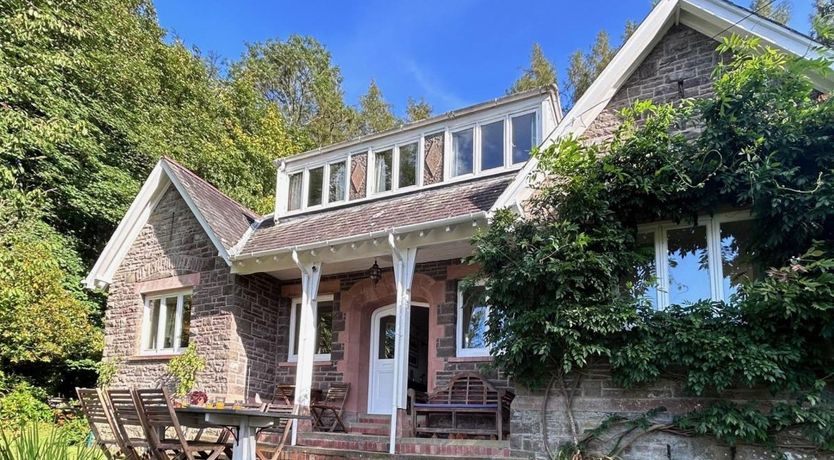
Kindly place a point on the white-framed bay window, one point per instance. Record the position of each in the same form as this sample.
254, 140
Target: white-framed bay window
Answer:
493, 143
166, 322
396, 166
324, 328
472, 321
687, 263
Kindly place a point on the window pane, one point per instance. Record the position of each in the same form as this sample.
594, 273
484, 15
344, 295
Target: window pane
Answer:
387, 333
315, 186
384, 165
153, 326
688, 265
492, 145
474, 315
294, 192
170, 321
524, 135
736, 256
186, 320
462, 152
338, 179
324, 328
643, 284
408, 165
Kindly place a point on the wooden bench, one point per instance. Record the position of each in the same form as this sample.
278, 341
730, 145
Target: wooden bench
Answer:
468, 393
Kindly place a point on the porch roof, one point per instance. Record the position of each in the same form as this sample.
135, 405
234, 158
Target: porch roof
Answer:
422, 206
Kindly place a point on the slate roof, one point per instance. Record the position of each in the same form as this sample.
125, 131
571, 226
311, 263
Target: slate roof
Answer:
447, 201
228, 219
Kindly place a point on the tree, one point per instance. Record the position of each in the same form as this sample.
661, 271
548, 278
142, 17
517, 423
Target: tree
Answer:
541, 73
773, 10
299, 77
822, 21
374, 113
416, 110
584, 68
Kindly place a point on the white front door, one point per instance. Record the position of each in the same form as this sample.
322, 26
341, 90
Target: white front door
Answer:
381, 381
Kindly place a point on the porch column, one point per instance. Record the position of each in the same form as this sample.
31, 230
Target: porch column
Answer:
310, 276
404, 262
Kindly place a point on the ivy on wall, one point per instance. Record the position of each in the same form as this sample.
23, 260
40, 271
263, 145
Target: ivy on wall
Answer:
557, 276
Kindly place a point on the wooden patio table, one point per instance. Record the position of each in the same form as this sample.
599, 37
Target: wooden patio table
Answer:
247, 420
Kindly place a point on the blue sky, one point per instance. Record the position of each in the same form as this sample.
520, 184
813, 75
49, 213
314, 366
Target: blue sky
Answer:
453, 53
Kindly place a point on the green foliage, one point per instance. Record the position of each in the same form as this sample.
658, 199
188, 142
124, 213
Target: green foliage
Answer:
22, 405
540, 74
184, 369
107, 370
557, 277
416, 110
776, 11
38, 442
374, 113
75, 430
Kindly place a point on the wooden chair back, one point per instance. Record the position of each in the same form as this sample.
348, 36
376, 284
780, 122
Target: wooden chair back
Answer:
336, 395
467, 388
101, 423
284, 395
127, 419
158, 415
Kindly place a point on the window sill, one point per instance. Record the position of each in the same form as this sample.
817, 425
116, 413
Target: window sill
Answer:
470, 359
315, 363
159, 357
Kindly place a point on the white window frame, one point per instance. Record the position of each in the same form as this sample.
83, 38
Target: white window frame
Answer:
160, 332
326, 190
301, 201
460, 350
292, 353
712, 226
479, 154
537, 140
449, 151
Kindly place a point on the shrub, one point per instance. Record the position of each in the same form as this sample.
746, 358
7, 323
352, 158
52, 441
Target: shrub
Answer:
184, 369
22, 405
35, 442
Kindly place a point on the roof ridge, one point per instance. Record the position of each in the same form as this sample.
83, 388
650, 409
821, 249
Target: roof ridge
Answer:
245, 209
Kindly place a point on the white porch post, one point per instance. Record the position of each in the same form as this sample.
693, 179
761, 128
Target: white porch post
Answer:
310, 276
404, 262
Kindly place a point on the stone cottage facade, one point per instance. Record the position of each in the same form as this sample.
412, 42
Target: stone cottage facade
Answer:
288, 298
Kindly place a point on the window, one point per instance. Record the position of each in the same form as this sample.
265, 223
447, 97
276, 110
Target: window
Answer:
294, 193
524, 136
166, 323
462, 152
680, 261
337, 182
492, 145
315, 186
383, 166
324, 328
408, 165
472, 318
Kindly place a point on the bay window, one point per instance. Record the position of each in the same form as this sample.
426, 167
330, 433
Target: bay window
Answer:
681, 261
166, 323
324, 328
472, 316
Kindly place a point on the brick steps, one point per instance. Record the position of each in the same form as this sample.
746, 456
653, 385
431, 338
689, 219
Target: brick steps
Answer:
379, 429
320, 453
342, 445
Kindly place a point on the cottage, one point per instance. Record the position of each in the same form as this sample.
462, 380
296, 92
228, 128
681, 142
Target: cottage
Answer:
356, 276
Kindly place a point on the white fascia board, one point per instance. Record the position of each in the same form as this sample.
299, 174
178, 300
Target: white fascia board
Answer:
221, 250
599, 94
155, 186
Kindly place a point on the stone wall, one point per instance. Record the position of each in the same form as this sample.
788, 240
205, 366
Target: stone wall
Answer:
233, 318
680, 66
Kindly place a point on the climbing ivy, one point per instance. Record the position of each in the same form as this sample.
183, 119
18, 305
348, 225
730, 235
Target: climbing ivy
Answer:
557, 276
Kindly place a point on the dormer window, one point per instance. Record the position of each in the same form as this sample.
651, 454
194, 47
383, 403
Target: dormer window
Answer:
384, 165
408, 165
492, 145
338, 182
463, 148
316, 184
524, 135
295, 188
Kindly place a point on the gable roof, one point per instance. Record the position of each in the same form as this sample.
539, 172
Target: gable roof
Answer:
713, 18
224, 220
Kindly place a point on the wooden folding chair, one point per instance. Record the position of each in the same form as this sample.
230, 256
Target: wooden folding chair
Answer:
284, 395
158, 415
102, 425
333, 403
127, 420
271, 440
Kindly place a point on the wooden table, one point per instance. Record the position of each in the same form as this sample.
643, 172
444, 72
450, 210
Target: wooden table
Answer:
247, 422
